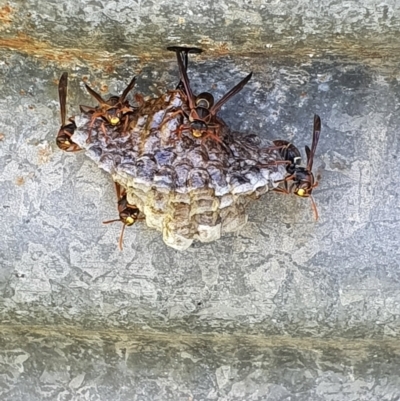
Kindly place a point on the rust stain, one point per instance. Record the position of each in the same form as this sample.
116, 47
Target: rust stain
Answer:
145, 58
109, 68
43, 49
6, 14
106, 61
20, 181
223, 49
2, 136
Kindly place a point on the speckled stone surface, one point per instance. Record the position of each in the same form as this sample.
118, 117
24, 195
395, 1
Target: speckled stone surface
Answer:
283, 276
283, 273
93, 32
37, 365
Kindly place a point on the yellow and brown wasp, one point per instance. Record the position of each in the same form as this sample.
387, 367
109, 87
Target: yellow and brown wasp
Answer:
112, 111
128, 214
201, 111
302, 179
63, 139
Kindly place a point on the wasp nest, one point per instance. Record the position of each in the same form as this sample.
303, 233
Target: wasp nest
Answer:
187, 188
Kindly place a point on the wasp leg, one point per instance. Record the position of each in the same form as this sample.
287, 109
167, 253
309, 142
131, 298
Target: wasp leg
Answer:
170, 117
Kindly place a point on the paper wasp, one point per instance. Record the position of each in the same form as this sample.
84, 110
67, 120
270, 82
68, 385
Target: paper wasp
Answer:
63, 139
112, 110
302, 179
128, 214
201, 110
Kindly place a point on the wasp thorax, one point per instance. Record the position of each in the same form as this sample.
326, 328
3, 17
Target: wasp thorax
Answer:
202, 113
113, 100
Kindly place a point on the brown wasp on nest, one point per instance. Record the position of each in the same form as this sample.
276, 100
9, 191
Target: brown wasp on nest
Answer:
177, 165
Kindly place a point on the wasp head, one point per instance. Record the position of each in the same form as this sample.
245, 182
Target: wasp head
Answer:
305, 185
113, 116
198, 127
63, 141
129, 220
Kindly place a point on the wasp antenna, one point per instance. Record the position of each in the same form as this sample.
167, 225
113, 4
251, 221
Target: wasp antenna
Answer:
314, 207
121, 237
111, 221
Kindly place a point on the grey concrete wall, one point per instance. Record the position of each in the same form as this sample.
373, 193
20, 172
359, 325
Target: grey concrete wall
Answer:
95, 30
79, 365
283, 277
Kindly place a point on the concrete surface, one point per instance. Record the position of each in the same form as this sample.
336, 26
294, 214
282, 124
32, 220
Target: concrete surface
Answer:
319, 300
93, 31
70, 365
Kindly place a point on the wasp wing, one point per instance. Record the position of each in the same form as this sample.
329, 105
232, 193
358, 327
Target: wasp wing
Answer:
316, 134
62, 94
127, 90
95, 95
230, 94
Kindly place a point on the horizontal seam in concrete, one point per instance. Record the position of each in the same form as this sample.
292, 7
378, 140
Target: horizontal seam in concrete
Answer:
305, 343
341, 48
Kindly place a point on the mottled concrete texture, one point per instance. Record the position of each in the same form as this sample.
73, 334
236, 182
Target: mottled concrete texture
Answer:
288, 308
68, 365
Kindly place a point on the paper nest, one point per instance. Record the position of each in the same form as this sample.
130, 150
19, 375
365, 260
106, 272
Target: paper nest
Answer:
187, 188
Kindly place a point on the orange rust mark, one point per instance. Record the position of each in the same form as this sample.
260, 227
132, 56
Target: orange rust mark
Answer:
223, 48
2, 136
6, 14
145, 58
105, 61
43, 49
20, 181
109, 68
